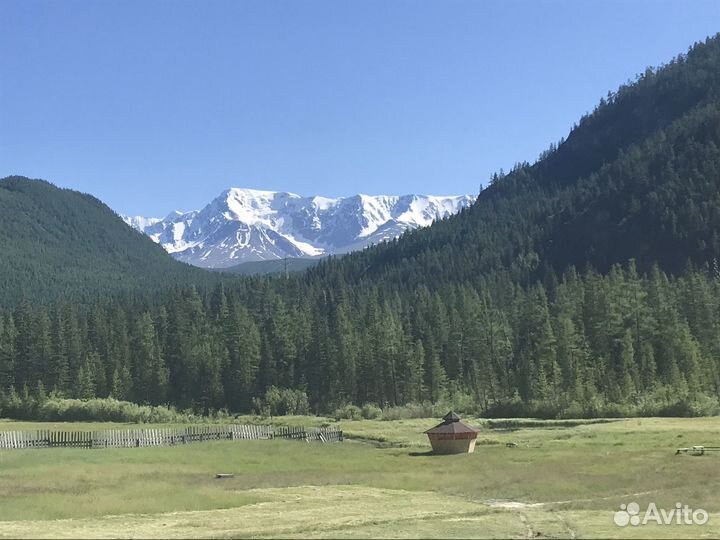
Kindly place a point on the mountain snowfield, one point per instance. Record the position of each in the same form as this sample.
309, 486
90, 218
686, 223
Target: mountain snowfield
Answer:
243, 225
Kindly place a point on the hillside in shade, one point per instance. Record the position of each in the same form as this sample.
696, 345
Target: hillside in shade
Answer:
277, 266
58, 243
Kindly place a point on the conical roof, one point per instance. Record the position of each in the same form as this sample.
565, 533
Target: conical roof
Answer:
451, 424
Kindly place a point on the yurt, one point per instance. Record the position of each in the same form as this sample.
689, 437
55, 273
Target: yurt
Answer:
452, 436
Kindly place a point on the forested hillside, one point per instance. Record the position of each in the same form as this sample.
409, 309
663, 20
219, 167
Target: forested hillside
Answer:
585, 284
58, 243
277, 266
637, 178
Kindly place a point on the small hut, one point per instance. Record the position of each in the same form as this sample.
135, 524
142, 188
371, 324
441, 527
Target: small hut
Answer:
452, 436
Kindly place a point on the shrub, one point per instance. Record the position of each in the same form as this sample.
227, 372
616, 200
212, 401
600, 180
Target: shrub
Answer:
371, 411
281, 402
413, 410
456, 400
54, 409
348, 412
510, 408
573, 410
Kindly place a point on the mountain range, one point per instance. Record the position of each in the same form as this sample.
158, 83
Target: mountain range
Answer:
246, 225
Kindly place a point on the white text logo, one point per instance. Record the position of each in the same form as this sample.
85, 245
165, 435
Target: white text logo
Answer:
681, 514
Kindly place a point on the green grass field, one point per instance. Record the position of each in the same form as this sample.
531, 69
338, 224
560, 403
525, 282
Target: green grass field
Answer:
382, 482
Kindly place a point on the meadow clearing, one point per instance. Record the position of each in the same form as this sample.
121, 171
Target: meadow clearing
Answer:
563, 481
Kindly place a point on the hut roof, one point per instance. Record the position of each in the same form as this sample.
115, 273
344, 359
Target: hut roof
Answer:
451, 424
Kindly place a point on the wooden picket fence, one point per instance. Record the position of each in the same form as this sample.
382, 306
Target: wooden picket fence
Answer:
308, 434
136, 438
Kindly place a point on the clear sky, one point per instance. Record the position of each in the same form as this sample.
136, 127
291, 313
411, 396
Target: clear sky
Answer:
160, 105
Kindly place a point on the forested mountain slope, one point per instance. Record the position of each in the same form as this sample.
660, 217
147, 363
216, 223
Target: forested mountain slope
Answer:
61, 243
638, 178
279, 266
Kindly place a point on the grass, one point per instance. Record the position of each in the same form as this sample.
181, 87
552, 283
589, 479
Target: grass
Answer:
560, 481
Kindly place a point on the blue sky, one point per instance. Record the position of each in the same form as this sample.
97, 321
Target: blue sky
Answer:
158, 105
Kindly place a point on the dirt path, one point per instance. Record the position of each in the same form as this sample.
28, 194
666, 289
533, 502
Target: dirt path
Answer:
518, 505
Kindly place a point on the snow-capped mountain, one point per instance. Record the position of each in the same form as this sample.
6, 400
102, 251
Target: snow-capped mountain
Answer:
244, 225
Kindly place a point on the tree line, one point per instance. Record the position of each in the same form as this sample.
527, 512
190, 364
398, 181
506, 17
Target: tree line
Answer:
582, 344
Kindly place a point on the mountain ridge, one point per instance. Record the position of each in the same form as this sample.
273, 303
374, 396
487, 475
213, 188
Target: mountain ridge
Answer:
245, 225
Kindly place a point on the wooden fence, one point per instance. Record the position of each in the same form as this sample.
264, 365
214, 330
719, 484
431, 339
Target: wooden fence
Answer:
308, 434
135, 438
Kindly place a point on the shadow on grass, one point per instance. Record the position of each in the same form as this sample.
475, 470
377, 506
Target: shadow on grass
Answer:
420, 454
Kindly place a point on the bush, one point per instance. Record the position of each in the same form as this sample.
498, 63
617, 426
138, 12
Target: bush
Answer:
282, 402
457, 400
414, 410
573, 410
510, 408
371, 411
348, 412
55, 409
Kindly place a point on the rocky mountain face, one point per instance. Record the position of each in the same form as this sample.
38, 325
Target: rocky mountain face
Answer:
242, 225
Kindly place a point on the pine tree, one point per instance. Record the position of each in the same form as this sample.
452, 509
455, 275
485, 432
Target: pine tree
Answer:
84, 384
7, 352
436, 376
414, 374
243, 346
59, 370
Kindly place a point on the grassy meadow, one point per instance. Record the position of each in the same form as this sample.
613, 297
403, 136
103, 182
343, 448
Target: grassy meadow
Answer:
560, 480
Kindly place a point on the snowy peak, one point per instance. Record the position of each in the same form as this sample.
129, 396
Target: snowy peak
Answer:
140, 223
243, 225
253, 206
